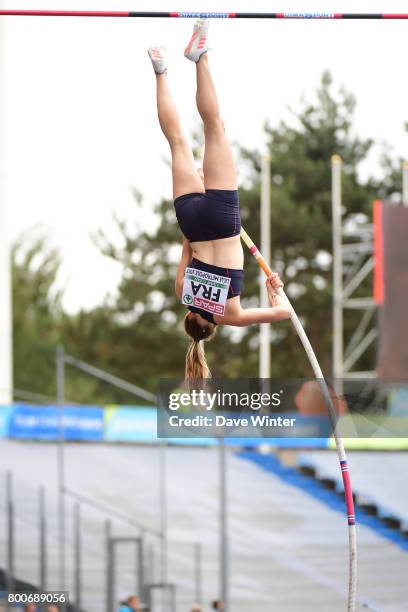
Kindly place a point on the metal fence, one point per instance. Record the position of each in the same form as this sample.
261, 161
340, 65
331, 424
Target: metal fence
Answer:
58, 538
106, 556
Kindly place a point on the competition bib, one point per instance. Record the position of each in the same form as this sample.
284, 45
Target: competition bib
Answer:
205, 290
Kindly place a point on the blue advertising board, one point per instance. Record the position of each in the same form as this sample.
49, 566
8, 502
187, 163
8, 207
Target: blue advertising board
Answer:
5, 412
43, 422
111, 424
139, 424
130, 424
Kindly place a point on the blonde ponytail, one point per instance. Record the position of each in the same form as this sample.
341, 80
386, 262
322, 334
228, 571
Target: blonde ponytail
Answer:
196, 364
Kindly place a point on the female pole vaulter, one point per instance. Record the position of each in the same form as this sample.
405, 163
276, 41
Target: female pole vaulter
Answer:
207, 210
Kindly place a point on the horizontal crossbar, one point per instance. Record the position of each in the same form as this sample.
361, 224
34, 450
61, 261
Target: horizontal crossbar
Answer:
203, 15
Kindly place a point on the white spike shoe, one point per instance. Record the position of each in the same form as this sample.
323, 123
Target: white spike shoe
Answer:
199, 41
158, 58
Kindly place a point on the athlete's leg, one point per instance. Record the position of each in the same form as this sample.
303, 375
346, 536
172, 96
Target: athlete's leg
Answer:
185, 175
219, 166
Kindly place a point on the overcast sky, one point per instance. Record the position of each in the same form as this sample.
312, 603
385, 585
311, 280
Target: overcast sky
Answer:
81, 122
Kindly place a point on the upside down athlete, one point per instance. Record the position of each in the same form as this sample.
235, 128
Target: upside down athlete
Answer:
207, 206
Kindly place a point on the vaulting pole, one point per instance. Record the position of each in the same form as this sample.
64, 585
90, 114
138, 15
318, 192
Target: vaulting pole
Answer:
202, 15
351, 604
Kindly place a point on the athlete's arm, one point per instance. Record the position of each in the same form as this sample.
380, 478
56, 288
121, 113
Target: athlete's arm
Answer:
252, 316
185, 259
239, 317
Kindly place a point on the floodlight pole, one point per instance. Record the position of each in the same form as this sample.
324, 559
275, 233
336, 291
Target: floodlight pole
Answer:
6, 326
336, 171
224, 545
265, 222
163, 511
60, 384
405, 183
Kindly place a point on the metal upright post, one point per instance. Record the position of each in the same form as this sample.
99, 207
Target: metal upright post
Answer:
224, 552
9, 536
60, 384
198, 553
405, 183
336, 168
109, 567
265, 328
163, 510
355, 246
43, 539
173, 598
140, 567
151, 564
78, 557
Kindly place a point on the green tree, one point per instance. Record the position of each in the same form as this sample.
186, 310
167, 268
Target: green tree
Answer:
37, 314
40, 325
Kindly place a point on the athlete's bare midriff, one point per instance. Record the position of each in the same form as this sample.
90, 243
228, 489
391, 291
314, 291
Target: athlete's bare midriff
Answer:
224, 252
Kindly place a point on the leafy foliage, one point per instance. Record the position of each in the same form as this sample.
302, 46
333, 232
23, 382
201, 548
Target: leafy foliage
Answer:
37, 315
